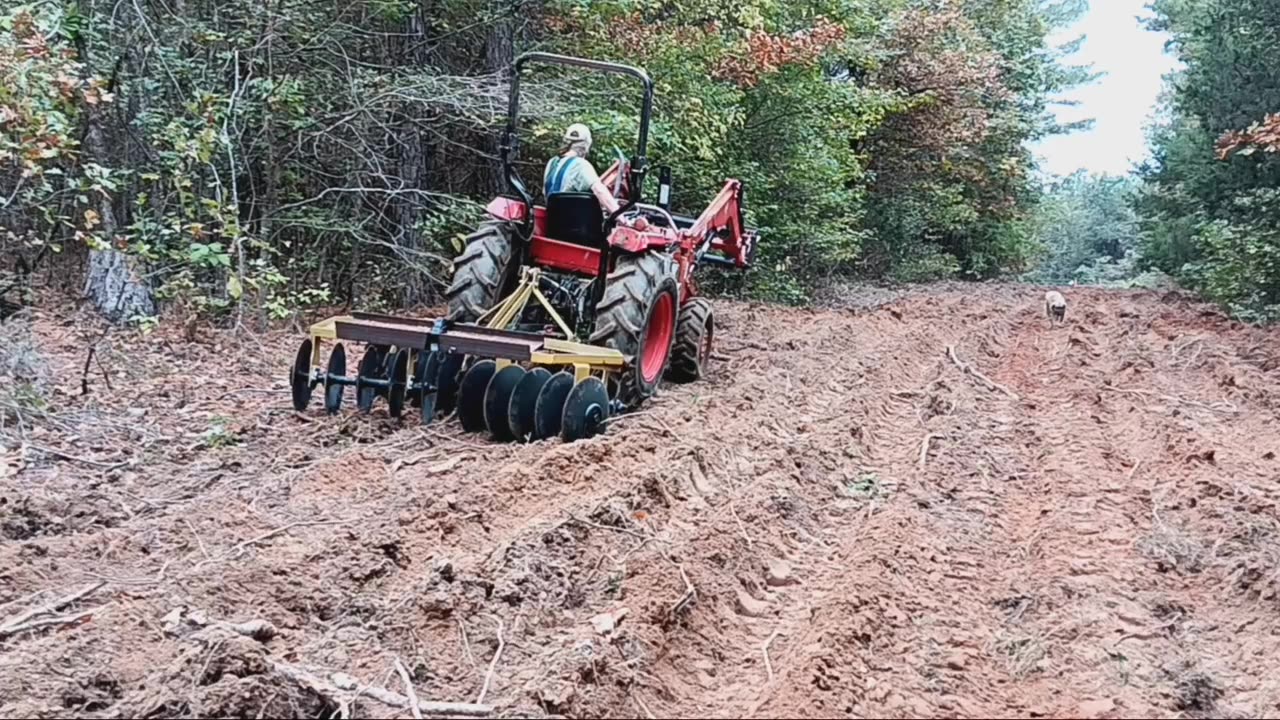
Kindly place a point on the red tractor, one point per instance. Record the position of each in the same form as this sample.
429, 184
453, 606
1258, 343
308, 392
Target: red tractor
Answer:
559, 316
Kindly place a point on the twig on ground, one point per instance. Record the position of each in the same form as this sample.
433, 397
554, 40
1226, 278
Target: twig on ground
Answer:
1133, 470
970, 370
7, 625
1229, 409
626, 531
768, 665
488, 677
240, 547
635, 697
408, 689
159, 578
337, 684
689, 593
75, 458
61, 620
924, 449
203, 551
466, 645
741, 527
84, 374
265, 391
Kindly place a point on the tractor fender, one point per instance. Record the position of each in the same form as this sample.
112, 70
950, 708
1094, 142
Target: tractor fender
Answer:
509, 209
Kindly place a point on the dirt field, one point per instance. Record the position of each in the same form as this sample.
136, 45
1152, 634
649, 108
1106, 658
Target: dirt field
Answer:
840, 522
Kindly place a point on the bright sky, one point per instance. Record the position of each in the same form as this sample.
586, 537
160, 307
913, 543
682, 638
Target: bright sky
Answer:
1122, 102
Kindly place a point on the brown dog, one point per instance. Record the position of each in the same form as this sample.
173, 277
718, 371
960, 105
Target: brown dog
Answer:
1055, 307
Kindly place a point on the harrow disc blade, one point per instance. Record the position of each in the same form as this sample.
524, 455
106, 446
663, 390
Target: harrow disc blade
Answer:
523, 401
586, 410
333, 389
427, 393
497, 398
549, 408
300, 377
471, 395
370, 369
399, 382
447, 381
420, 361
388, 367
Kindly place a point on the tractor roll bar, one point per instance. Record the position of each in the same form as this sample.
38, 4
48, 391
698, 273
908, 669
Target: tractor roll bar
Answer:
513, 114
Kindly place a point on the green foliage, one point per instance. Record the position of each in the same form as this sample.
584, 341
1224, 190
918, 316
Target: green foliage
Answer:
1212, 219
269, 157
1087, 229
893, 149
44, 90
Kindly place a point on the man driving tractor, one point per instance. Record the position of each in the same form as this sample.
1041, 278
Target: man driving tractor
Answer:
570, 171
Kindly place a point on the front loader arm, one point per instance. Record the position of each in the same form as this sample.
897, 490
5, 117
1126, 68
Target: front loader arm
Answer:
731, 243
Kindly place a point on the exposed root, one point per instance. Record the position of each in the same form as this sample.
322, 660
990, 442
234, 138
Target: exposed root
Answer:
768, 664
408, 689
338, 689
23, 621
488, 677
970, 370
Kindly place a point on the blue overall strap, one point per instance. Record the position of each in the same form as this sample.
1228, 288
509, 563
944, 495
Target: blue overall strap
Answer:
558, 172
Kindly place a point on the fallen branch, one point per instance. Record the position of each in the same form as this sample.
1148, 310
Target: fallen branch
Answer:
969, 370
768, 666
412, 700
8, 626
488, 677
337, 684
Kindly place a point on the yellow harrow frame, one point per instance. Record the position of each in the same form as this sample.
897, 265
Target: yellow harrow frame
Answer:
405, 351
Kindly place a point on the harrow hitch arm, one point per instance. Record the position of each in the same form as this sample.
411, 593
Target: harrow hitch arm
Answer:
723, 235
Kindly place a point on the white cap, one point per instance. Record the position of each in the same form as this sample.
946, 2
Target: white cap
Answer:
578, 135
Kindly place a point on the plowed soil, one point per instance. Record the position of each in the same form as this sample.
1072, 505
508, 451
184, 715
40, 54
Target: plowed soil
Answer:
900, 505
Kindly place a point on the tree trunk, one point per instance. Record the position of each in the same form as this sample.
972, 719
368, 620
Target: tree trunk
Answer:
112, 281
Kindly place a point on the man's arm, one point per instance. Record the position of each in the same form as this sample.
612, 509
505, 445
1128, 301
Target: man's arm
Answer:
607, 201
603, 196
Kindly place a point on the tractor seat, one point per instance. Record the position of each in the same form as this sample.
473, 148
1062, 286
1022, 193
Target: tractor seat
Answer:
575, 218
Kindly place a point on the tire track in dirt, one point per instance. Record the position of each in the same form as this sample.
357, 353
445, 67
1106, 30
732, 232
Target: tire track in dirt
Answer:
880, 644
874, 460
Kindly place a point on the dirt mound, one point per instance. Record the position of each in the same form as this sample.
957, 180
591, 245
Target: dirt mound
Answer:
909, 504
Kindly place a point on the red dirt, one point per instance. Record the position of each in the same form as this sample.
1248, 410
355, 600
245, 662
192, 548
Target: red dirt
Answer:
1094, 533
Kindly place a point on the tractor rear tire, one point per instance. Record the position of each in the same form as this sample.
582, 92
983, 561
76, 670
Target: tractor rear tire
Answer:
692, 352
637, 317
483, 273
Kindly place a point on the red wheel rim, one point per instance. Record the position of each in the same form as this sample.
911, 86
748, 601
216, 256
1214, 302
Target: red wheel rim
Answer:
657, 337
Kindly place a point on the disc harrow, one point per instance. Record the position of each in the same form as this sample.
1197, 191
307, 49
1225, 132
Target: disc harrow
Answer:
512, 385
